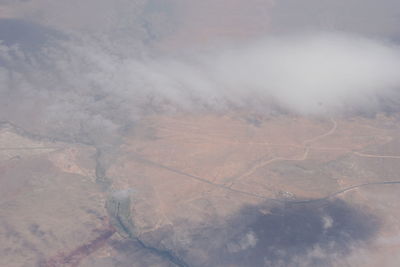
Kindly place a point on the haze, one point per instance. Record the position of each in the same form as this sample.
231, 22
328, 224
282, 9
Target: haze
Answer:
176, 132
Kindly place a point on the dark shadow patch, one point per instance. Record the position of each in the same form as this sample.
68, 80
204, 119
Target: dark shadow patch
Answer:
35, 230
27, 44
320, 233
254, 120
295, 235
128, 251
125, 246
28, 35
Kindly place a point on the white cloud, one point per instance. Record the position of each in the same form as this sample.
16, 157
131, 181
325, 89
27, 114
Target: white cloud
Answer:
315, 74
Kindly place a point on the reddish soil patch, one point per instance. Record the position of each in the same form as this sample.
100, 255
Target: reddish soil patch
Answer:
77, 255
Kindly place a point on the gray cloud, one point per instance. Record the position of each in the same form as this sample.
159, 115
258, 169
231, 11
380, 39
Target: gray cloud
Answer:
319, 73
83, 85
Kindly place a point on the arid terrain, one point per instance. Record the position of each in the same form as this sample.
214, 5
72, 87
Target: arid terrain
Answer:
285, 189
224, 133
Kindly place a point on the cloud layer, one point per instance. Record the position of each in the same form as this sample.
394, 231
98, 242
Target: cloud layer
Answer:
321, 73
309, 74
105, 74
